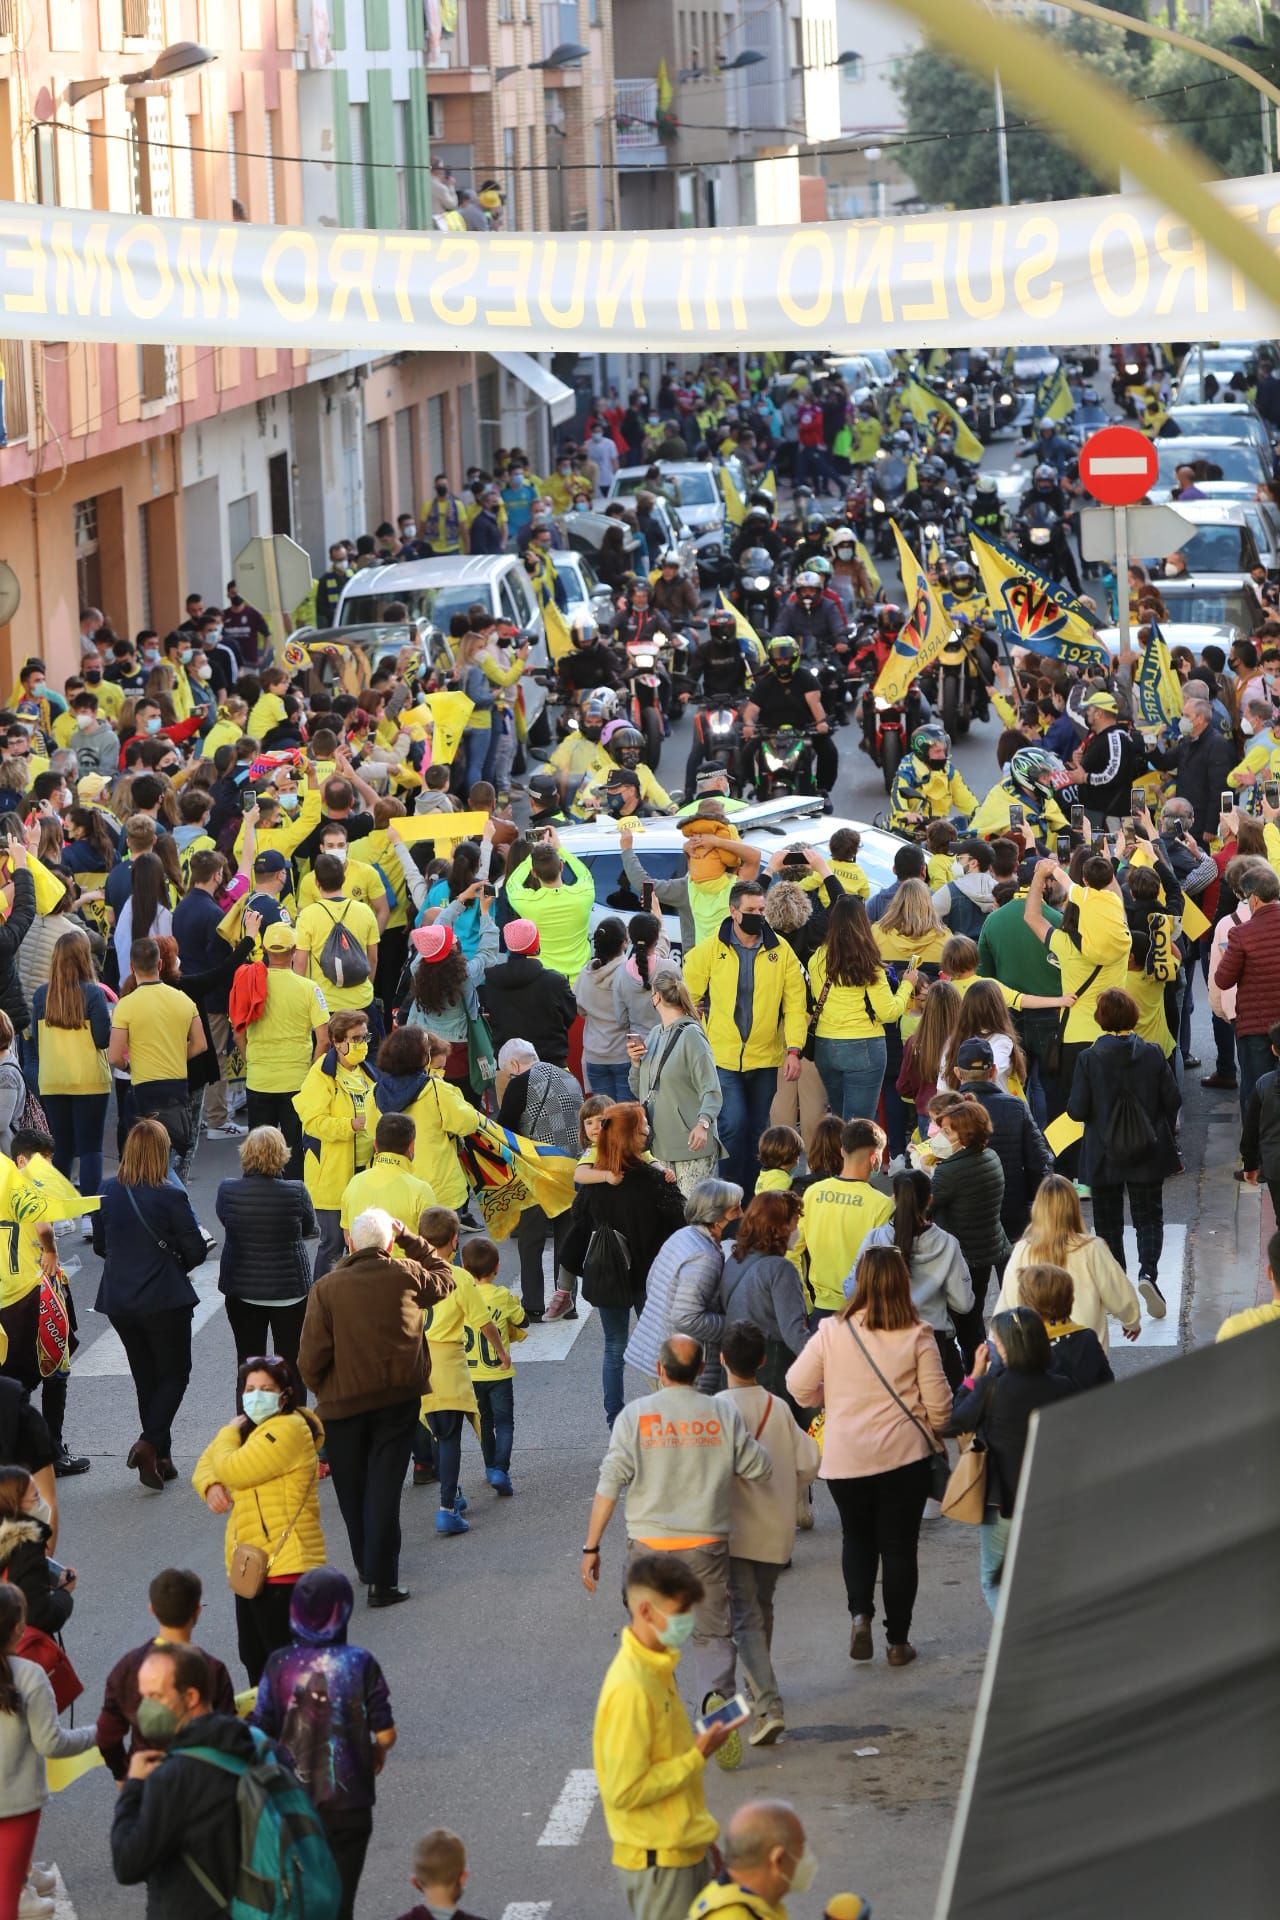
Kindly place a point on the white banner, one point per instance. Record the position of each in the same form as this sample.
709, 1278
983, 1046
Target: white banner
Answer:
1115, 268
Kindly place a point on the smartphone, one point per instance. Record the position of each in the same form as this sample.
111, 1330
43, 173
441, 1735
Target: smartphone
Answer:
536, 836
1017, 814
1272, 794
1063, 848
487, 886
731, 1714
913, 963
248, 800
1137, 800
1226, 801
1077, 818
1126, 825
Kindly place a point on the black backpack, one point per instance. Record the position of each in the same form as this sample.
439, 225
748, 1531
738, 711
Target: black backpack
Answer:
1130, 1138
606, 1270
343, 961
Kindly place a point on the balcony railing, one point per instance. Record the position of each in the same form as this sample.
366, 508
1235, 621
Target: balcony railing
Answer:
635, 112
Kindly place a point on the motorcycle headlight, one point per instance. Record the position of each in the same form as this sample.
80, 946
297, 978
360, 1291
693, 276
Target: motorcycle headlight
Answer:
1006, 399
931, 531
877, 506
761, 583
1132, 368
882, 705
1040, 536
961, 404
642, 659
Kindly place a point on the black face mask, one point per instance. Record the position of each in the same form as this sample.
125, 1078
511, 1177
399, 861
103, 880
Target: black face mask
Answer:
92, 679
442, 492
630, 759
751, 923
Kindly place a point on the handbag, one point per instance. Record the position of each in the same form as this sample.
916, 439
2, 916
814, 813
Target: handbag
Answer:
811, 1036
663, 1058
939, 1464
250, 1565
482, 1064
965, 1497
1051, 1059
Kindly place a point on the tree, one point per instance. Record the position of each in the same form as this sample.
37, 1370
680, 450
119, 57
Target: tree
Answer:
1209, 108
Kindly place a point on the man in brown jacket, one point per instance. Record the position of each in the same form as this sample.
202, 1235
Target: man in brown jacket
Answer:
364, 1357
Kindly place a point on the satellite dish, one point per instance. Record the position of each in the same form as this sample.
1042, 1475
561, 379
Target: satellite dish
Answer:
10, 592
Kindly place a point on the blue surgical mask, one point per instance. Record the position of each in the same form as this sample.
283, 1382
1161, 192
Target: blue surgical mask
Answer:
289, 801
260, 1405
677, 1632
153, 723
185, 653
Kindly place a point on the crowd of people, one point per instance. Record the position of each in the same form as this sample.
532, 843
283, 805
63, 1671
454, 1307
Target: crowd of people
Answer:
821, 1173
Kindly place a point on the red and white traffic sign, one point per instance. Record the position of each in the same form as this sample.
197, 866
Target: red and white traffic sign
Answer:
1118, 466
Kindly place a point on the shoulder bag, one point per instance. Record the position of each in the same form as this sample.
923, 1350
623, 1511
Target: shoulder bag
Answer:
939, 1464
966, 1492
150, 1231
1051, 1061
811, 1037
250, 1566
672, 1040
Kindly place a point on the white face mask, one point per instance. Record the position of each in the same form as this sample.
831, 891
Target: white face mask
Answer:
39, 1509
338, 853
806, 1868
85, 721
940, 1146
1247, 727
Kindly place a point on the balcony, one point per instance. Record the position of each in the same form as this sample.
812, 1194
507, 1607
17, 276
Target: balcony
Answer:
635, 112
458, 62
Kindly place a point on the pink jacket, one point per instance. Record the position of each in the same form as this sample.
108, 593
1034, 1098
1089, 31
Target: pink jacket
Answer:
1222, 1000
866, 1430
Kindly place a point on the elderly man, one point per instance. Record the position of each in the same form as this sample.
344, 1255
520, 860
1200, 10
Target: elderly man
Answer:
1251, 964
363, 1356
676, 1455
766, 1856
683, 1287
1202, 759
541, 1102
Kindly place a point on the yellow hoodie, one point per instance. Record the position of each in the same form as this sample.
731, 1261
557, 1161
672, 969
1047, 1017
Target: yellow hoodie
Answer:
649, 1770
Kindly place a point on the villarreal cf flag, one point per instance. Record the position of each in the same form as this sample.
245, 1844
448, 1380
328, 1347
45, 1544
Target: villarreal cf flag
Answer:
1033, 611
510, 1173
925, 633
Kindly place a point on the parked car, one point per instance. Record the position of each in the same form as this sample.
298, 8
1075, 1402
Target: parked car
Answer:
693, 485
1194, 636
1222, 360
1222, 545
1240, 460
1218, 420
585, 593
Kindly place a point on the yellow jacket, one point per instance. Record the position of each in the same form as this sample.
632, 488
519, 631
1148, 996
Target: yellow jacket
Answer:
779, 1008
649, 1771
856, 1013
326, 1109
992, 817
291, 832
271, 1477
442, 1116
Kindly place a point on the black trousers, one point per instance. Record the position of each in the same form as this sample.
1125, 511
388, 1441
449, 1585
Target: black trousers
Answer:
880, 1516
1146, 1208
158, 1349
532, 1231
368, 1457
348, 1833
262, 1626
276, 1110
260, 1331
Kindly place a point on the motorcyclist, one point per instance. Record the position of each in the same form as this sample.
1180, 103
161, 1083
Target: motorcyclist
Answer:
1036, 781
870, 657
621, 745
787, 695
712, 783
963, 597
1046, 490
638, 620
927, 787
546, 801
986, 515
673, 594
757, 530
1049, 448
810, 616
929, 499
813, 540
579, 751
850, 578
589, 663
722, 675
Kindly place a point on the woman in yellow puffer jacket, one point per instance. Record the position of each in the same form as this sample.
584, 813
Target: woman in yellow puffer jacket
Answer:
263, 1471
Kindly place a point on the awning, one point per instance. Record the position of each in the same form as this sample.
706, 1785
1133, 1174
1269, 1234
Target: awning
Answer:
523, 367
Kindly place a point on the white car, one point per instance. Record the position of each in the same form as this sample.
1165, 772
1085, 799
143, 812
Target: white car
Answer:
1195, 636
584, 593
693, 484
660, 849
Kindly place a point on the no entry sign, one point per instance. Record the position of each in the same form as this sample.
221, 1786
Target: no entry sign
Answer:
1118, 466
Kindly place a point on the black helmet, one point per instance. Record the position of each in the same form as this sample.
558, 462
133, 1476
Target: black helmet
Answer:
933, 469
627, 746
757, 516
890, 619
762, 498
931, 745
815, 523
722, 630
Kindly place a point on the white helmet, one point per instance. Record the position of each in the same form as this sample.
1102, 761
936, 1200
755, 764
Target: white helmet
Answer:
669, 558
605, 702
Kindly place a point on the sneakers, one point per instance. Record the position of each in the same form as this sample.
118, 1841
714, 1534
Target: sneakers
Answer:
460, 1501
499, 1481
728, 1756
1156, 1304
34, 1906
448, 1521
560, 1306
1082, 1191
43, 1879
67, 1465
229, 1130
209, 1241
769, 1732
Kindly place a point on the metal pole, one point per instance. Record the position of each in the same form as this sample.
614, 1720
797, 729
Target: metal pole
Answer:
1002, 144
1122, 578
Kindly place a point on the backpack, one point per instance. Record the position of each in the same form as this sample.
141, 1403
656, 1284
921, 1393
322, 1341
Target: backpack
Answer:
1130, 1134
286, 1870
343, 961
606, 1270
31, 1114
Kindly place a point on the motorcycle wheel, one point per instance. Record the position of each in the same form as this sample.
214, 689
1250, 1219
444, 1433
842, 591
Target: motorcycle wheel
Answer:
651, 728
890, 759
950, 703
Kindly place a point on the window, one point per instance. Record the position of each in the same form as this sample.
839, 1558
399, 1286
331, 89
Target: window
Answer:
144, 564
505, 10
88, 560
135, 19
7, 10
235, 147
46, 155
510, 155
359, 168
13, 402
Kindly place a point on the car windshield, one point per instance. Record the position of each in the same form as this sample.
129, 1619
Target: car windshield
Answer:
437, 604
1238, 460
613, 889
686, 489
1220, 550
571, 582
1213, 423
1205, 607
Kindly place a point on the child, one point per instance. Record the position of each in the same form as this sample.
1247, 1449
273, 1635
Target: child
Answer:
826, 1156
494, 1382
779, 1154
439, 1875
938, 836
710, 838
450, 1394
839, 1214
590, 1114
434, 797
842, 858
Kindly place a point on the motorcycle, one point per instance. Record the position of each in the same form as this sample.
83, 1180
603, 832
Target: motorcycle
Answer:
755, 592
884, 734
716, 730
1041, 538
645, 687
714, 561
784, 763
889, 484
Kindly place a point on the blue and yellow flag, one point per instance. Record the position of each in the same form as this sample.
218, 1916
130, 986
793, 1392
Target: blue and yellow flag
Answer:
1054, 399
510, 1173
748, 639
925, 634
1157, 690
1033, 611
925, 404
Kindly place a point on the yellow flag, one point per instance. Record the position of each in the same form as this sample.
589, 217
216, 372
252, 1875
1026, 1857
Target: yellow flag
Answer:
1157, 690
62, 1201
913, 475
62, 1773
925, 634
1053, 396
559, 639
450, 713
441, 826
665, 90
1033, 611
771, 483
872, 572
48, 889
1063, 1133
1194, 924
745, 629
924, 403
734, 505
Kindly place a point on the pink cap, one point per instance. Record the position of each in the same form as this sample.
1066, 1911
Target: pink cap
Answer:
521, 936
433, 943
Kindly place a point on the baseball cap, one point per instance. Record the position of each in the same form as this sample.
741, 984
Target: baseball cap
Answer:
1106, 701
91, 785
272, 861
280, 937
521, 936
975, 1053
432, 943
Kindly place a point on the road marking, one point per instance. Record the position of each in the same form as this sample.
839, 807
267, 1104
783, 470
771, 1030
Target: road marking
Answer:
567, 1821
1173, 1261
105, 1358
551, 1339
527, 1910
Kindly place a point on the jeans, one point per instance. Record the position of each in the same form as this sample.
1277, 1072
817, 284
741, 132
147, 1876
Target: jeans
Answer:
277, 1110
744, 1115
158, 1349
476, 742
1224, 1044
265, 1330
751, 1585
994, 1543
1256, 1058
852, 1073
332, 1245
262, 1626
368, 1454
1188, 1002
497, 1403
446, 1429
880, 1516
531, 1234
78, 1122
615, 1324
608, 1077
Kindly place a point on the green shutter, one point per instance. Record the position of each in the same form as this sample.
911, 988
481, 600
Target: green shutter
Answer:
377, 27
338, 25
419, 155
342, 149
384, 203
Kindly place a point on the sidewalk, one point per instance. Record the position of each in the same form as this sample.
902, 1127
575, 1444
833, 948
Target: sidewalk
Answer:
1226, 1246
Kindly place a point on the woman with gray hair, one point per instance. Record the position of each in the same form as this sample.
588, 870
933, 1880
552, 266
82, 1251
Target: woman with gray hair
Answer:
682, 1291
673, 1075
541, 1102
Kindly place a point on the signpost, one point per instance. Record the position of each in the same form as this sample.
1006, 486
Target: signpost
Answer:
1155, 530
1118, 466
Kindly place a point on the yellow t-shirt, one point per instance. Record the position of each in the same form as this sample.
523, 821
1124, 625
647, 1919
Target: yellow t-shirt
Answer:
268, 711
1250, 1318
360, 882
774, 1180
278, 1047
1075, 969
508, 1316
1148, 995
445, 1326
223, 733
157, 1019
838, 1215
389, 1182
314, 927
21, 1206
709, 904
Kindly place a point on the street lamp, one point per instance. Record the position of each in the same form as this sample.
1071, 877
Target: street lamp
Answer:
568, 55
184, 56
846, 59
749, 57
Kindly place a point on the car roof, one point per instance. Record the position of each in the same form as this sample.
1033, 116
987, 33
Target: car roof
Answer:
1196, 446
773, 824
674, 467
1193, 634
1217, 409
1212, 513
447, 570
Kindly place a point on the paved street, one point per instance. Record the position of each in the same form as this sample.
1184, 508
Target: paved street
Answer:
494, 1666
